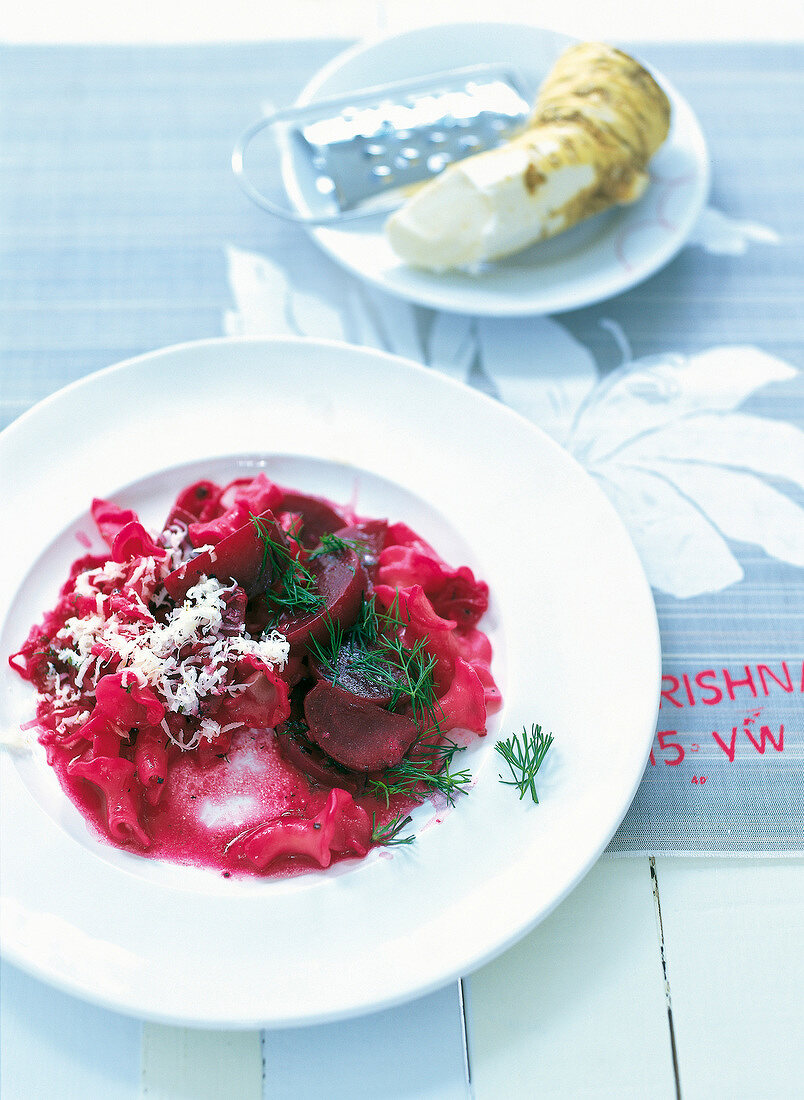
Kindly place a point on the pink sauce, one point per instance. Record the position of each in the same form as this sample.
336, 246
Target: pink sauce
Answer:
204, 808
187, 767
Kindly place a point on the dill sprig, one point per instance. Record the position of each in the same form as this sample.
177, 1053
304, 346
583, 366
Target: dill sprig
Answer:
334, 544
295, 529
291, 585
524, 756
416, 684
427, 769
366, 629
369, 663
414, 665
388, 835
326, 652
439, 753
409, 777
375, 651
383, 661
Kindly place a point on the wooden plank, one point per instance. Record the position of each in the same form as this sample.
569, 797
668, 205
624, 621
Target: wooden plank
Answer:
734, 941
53, 1045
185, 1064
415, 1050
577, 1008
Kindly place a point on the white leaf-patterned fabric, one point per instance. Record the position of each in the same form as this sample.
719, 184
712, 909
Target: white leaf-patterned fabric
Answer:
664, 436
681, 550
538, 368
643, 396
741, 506
661, 436
771, 448
452, 345
721, 235
260, 292
310, 316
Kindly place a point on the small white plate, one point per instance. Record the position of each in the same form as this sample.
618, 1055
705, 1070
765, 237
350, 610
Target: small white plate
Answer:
576, 648
593, 261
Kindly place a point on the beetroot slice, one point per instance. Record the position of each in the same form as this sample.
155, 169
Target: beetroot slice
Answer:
309, 759
318, 516
369, 539
355, 732
340, 580
296, 747
238, 557
349, 673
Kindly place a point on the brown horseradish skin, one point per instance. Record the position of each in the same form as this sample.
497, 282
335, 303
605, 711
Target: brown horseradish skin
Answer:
598, 119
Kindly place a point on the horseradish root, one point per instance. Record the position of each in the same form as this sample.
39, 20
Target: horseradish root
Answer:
598, 119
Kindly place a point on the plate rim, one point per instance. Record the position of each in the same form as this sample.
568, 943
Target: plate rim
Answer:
438, 980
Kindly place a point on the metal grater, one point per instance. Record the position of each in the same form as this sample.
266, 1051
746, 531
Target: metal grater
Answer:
348, 157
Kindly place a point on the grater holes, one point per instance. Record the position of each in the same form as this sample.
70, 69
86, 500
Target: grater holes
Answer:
437, 161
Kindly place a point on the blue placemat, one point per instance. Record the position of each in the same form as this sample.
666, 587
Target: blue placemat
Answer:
122, 230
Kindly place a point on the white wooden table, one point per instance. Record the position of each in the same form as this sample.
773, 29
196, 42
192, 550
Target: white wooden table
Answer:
682, 976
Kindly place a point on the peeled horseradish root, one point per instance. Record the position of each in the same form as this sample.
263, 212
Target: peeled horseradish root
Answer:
598, 119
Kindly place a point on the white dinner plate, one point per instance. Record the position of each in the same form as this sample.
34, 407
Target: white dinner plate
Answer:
593, 261
576, 649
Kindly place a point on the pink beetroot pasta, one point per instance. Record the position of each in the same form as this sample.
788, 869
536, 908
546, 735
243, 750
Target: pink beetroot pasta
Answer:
269, 684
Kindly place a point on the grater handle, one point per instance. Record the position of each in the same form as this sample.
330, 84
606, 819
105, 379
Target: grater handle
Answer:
288, 114
464, 78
